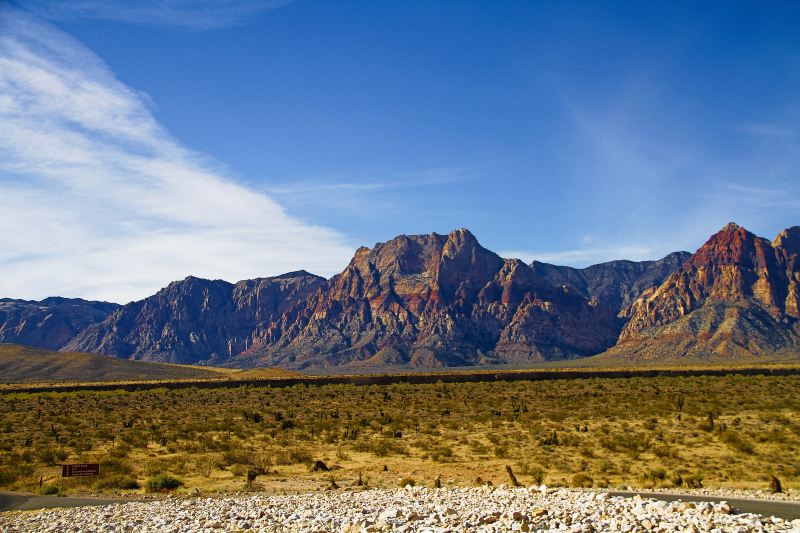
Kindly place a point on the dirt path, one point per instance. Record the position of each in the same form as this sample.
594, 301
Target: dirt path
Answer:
14, 501
781, 509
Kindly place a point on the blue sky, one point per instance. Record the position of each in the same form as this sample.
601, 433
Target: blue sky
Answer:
250, 138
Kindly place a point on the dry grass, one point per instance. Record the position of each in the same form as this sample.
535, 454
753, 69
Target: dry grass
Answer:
732, 431
22, 365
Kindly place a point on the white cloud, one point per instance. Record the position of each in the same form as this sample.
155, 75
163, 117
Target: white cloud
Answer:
99, 201
181, 14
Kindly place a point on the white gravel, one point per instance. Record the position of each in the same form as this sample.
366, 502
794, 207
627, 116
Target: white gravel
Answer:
409, 509
788, 495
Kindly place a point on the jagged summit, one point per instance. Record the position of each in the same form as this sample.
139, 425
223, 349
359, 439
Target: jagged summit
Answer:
420, 300
437, 300
788, 239
738, 294
730, 226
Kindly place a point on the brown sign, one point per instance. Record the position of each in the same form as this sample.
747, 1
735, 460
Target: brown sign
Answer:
80, 470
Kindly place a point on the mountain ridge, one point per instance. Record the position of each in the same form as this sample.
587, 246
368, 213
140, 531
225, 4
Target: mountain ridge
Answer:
437, 300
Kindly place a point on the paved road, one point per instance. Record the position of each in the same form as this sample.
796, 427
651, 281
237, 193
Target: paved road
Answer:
13, 501
10, 501
782, 509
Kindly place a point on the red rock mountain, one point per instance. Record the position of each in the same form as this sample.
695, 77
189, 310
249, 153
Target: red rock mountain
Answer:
436, 300
425, 301
444, 300
736, 296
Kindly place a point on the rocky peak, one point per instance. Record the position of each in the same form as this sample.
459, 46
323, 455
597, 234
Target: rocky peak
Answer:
734, 265
789, 240
733, 245
49, 323
730, 227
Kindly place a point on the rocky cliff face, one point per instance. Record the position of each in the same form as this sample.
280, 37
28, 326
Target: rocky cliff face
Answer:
444, 300
437, 300
197, 320
49, 323
424, 301
737, 295
617, 283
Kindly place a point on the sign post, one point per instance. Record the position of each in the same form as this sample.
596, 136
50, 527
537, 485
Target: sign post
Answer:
79, 470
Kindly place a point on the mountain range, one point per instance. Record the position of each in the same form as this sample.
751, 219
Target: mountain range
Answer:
444, 300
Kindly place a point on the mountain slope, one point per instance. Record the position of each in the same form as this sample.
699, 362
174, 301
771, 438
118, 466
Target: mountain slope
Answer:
439, 300
617, 283
22, 364
736, 296
197, 320
445, 300
50, 323
424, 301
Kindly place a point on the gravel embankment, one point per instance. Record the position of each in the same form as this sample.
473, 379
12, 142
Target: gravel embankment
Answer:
409, 509
789, 495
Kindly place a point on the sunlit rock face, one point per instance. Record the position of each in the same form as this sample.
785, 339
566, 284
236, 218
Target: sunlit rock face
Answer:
423, 300
736, 296
445, 300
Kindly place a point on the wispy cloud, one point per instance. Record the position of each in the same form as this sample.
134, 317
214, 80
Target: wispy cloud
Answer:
776, 196
398, 180
180, 14
583, 257
99, 201
364, 192
665, 178
768, 130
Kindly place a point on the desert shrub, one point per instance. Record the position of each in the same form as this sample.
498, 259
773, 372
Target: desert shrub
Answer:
153, 467
407, 481
631, 443
341, 454
737, 442
120, 451
113, 465
441, 453
582, 480
655, 475
237, 457
117, 481
293, 456
205, 465
775, 435
50, 490
162, 483
501, 451
665, 451
537, 473
382, 447
694, 481
51, 456
136, 439
551, 440
587, 452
